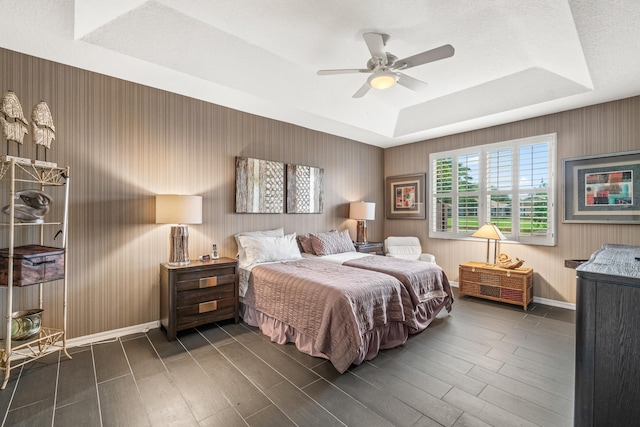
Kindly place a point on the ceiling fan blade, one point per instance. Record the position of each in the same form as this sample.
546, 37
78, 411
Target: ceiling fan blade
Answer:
345, 71
375, 43
362, 91
436, 54
411, 83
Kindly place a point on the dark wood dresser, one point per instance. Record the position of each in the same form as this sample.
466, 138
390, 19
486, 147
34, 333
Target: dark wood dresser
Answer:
607, 383
196, 294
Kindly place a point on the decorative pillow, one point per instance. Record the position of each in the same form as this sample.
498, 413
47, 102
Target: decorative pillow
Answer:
305, 243
267, 249
278, 232
332, 242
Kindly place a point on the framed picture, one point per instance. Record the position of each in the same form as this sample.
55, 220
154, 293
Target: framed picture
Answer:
305, 189
259, 186
602, 189
405, 197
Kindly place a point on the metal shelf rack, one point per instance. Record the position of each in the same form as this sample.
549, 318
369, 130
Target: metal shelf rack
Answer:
16, 171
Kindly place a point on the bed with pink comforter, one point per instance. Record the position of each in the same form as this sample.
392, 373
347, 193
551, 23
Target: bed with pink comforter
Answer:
341, 313
426, 283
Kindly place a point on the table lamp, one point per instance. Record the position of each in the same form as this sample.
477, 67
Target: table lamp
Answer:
362, 211
179, 209
490, 231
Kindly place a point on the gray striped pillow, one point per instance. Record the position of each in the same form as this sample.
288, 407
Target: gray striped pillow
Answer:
332, 242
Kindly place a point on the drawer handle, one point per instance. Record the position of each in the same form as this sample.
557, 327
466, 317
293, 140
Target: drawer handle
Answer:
209, 282
205, 307
53, 261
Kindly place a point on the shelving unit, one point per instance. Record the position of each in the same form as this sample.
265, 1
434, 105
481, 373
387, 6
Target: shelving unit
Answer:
19, 174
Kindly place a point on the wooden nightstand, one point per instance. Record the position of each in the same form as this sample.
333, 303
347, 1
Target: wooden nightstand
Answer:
495, 283
376, 248
199, 293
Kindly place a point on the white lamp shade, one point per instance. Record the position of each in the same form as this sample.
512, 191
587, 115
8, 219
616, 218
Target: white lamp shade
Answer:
489, 231
178, 209
362, 210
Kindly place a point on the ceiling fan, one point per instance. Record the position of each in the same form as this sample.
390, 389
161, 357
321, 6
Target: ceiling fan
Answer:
385, 67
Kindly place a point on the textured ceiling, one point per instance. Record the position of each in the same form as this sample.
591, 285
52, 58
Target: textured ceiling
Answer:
513, 59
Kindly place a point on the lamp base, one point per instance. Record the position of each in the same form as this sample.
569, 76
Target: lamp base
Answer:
179, 245
361, 233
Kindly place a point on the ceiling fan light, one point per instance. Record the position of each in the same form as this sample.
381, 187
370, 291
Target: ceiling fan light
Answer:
383, 79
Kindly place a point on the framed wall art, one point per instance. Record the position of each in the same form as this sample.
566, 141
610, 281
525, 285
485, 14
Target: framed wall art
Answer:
305, 189
602, 189
259, 186
405, 197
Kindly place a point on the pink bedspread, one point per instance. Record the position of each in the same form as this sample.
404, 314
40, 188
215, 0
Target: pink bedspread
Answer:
332, 306
426, 283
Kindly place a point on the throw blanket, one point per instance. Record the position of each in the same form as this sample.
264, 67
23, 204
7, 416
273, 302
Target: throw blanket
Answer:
425, 281
332, 304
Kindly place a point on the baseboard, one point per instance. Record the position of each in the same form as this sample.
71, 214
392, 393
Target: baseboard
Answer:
545, 301
112, 334
555, 303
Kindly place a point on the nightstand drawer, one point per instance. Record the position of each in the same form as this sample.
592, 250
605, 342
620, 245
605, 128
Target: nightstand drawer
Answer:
191, 276
207, 294
205, 312
204, 280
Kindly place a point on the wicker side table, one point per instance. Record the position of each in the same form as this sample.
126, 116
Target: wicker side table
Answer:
495, 283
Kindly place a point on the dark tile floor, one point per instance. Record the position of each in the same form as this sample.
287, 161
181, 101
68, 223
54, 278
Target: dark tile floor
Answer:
485, 364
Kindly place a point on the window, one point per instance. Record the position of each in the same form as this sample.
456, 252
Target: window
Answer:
510, 184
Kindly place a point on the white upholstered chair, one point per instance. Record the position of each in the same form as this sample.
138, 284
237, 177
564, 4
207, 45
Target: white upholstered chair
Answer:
406, 248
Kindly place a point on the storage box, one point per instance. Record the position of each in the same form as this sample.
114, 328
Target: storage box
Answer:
32, 264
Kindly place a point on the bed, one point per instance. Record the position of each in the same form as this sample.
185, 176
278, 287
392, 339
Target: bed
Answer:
426, 282
328, 310
334, 311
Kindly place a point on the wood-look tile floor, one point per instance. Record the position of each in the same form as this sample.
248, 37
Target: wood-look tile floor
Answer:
485, 364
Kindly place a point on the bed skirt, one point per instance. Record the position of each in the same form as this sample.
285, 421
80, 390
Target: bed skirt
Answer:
427, 311
386, 336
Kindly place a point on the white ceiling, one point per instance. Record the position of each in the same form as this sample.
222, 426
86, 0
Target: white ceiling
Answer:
513, 59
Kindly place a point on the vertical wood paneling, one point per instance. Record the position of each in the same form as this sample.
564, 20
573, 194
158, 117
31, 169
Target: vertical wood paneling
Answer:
604, 128
125, 143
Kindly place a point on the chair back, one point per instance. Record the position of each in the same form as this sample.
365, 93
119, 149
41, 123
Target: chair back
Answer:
403, 247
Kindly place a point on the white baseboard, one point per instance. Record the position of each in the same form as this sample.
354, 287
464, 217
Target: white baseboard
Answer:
112, 334
101, 336
555, 303
545, 301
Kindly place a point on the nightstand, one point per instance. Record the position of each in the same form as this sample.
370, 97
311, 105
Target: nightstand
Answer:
495, 283
375, 248
199, 293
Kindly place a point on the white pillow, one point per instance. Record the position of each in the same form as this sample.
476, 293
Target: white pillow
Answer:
268, 249
278, 232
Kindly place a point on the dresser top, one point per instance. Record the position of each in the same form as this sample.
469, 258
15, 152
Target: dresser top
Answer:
614, 260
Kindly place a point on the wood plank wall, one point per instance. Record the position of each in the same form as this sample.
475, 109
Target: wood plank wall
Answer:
125, 143
599, 129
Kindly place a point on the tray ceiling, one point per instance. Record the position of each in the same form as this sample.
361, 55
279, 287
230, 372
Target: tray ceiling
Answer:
513, 60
